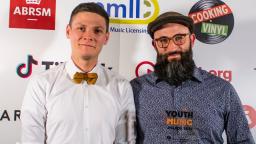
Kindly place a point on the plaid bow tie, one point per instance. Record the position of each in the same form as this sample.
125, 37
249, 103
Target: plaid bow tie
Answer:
90, 78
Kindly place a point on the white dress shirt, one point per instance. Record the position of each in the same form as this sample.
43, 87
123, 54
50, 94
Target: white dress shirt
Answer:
56, 110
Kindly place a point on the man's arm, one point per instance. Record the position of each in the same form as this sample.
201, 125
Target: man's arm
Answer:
33, 113
125, 130
236, 124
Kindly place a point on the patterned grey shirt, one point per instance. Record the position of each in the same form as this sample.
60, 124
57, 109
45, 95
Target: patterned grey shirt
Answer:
196, 112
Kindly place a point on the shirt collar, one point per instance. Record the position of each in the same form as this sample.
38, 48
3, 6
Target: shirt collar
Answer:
197, 74
71, 68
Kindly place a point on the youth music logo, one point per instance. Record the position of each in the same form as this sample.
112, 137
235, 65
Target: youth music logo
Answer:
32, 14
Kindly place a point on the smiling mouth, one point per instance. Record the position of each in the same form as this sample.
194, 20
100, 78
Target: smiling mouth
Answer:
174, 56
86, 45
174, 53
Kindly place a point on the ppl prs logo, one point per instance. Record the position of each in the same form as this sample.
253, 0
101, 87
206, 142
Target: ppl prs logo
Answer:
144, 67
131, 11
32, 14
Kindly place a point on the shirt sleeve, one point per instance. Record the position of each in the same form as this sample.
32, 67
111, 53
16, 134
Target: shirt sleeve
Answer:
125, 130
236, 124
33, 113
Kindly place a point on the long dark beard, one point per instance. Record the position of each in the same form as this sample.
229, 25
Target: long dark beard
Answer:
175, 72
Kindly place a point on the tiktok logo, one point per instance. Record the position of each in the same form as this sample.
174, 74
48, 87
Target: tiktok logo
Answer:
25, 70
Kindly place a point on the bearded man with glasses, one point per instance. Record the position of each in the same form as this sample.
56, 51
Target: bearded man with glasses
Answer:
180, 103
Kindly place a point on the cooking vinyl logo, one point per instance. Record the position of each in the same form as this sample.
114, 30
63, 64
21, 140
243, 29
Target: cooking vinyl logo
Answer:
32, 14
213, 21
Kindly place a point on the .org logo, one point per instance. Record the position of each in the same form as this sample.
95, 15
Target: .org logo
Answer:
224, 74
32, 14
131, 11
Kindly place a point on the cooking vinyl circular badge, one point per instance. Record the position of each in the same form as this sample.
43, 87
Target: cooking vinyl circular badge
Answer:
213, 21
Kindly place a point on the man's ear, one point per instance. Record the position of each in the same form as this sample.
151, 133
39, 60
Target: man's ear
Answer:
192, 39
106, 38
68, 29
154, 44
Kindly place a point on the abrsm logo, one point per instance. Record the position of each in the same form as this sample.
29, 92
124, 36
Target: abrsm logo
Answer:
32, 14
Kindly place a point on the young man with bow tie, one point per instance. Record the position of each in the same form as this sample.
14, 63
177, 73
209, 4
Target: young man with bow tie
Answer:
80, 102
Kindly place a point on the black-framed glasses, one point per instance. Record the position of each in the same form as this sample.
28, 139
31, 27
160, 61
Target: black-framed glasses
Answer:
178, 39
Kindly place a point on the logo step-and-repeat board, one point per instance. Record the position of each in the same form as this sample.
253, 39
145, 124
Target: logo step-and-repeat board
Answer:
33, 39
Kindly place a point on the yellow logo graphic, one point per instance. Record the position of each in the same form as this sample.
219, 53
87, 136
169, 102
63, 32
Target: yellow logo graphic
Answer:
131, 11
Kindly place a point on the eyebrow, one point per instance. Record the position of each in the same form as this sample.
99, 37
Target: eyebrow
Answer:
99, 27
95, 26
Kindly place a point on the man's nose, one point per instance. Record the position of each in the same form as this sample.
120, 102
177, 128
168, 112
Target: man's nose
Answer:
172, 47
88, 35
